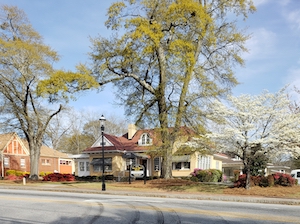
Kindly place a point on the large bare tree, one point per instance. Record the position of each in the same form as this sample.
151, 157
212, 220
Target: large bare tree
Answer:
24, 61
84, 129
172, 56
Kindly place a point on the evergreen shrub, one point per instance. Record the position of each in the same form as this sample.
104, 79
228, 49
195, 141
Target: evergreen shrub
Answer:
210, 175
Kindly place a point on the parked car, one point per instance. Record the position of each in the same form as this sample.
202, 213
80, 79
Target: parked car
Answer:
296, 174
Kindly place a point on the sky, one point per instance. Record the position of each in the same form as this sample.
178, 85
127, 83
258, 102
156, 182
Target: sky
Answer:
273, 60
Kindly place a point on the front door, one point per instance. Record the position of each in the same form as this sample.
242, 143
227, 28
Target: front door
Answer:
83, 167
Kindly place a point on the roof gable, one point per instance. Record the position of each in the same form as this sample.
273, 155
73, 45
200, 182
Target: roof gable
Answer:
106, 140
10, 143
7, 139
123, 143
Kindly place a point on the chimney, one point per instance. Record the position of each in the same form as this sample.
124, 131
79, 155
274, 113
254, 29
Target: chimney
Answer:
131, 131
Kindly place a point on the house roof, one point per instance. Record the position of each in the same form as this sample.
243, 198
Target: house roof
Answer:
45, 150
122, 143
118, 144
4, 139
48, 152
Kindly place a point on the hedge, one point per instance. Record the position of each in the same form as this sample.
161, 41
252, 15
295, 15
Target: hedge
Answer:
277, 179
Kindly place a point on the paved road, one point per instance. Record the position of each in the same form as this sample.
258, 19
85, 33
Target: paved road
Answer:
23, 206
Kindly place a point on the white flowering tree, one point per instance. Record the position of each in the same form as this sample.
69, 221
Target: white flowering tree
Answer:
248, 125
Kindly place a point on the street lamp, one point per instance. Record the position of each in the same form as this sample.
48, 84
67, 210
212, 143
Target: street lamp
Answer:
128, 156
102, 121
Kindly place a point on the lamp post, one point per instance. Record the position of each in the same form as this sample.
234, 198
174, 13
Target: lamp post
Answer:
102, 121
130, 164
128, 156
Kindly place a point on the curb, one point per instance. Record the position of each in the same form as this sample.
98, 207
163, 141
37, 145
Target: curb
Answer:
248, 199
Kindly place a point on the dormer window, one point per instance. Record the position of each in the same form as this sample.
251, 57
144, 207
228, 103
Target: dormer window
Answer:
145, 139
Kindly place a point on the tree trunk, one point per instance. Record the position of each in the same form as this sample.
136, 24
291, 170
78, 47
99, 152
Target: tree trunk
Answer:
167, 152
167, 165
35, 150
248, 177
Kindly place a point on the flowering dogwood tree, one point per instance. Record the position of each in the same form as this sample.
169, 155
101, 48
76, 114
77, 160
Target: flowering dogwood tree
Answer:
248, 125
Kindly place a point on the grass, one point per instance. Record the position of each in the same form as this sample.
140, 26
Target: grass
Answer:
172, 185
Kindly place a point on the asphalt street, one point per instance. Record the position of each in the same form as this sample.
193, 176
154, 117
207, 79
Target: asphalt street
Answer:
215, 197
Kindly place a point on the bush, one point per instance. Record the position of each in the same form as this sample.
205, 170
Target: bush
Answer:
241, 181
269, 181
284, 179
16, 173
210, 175
58, 177
10, 172
195, 172
264, 182
255, 180
11, 177
19, 173
44, 173
195, 179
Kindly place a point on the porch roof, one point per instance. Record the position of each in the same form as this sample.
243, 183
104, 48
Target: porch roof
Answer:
132, 155
177, 159
97, 161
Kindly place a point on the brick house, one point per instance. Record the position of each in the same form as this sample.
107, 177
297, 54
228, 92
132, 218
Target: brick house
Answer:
14, 155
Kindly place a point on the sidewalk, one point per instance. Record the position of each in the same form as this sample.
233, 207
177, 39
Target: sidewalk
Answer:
196, 196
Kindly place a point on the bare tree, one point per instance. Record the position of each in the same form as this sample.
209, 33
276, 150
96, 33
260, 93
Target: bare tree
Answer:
84, 129
24, 61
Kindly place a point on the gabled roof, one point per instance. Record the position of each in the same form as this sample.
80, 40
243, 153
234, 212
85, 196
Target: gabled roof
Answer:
47, 151
6, 138
123, 143
119, 144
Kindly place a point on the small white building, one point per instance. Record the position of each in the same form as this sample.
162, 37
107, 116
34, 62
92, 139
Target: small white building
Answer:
81, 165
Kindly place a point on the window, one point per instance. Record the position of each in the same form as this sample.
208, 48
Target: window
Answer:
186, 165
204, 162
156, 164
65, 162
22, 162
6, 161
84, 166
97, 164
217, 165
81, 166
181, 166
177, 166
87, 166
145, 139
45, 162
298, 174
